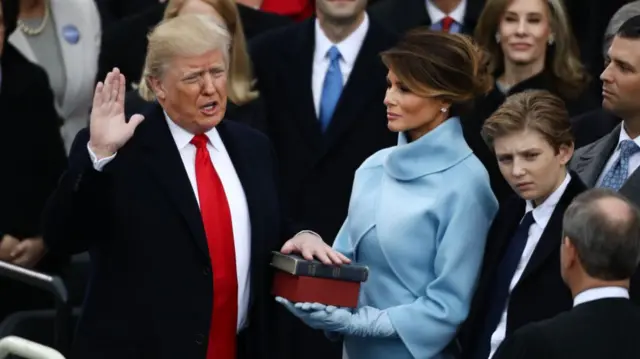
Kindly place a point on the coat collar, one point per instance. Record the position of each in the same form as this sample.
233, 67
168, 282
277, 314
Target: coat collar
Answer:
436, 151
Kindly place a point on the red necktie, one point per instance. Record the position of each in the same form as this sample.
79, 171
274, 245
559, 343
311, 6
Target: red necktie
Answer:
216, 218
446, 23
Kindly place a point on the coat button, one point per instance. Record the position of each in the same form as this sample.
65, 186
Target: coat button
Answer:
206, 271
199, 339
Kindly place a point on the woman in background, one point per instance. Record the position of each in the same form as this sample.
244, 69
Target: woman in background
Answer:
531, 46
243, 104
419, 211
63, 37
521, 281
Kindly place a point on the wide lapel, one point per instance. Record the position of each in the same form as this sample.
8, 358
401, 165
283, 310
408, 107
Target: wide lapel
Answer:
591, 163
240, 153
300, 69
358, 91
415, 13
471, 15
552, 235
74, 55
162, 157
631, 188
502, 230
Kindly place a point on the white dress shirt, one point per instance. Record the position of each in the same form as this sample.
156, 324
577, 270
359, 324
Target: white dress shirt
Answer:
541, 216
634, 160
436, 15
349, 49
600, 293
235, 196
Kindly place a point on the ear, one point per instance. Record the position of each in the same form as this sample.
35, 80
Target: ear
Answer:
568, 252
565, 152
157, 87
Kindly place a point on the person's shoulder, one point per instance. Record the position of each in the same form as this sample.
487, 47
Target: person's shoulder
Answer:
247, 133
376, 160
23, 74
270, 42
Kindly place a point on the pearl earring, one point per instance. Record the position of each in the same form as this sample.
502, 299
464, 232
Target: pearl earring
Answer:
497, 38
443, 110
551, 39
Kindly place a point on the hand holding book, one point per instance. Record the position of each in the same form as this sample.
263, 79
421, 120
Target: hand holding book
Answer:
311, 246
361, 322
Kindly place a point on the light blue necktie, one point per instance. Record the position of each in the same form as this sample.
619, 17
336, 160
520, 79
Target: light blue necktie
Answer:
331, 89
619, 172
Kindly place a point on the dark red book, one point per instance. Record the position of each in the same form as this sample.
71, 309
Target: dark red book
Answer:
300, 280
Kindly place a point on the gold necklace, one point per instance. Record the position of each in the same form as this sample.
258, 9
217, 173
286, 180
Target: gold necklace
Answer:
31, 31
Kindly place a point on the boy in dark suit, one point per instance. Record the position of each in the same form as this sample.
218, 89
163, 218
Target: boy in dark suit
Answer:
599, 254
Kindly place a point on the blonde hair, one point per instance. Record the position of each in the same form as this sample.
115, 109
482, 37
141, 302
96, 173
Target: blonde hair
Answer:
537, 110
189, 35
568, 71
240, 73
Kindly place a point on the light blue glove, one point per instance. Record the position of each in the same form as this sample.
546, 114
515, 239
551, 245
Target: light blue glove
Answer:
364, 322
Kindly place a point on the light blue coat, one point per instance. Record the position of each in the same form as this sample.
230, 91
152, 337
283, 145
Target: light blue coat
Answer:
418, 217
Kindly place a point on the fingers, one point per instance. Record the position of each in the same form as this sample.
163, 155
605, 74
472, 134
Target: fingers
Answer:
97, 95
121, 90
322, 256
337, 258
307, 253
318, 306
106, 88
288, 247
135, 120
115, 86
20, 249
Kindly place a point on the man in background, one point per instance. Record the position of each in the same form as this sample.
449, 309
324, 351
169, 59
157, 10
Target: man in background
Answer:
599, 254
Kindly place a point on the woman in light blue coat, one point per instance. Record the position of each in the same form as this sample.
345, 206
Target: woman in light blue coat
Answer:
419, 211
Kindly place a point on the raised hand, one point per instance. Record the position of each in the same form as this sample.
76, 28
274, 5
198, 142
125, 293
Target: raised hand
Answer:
109, 128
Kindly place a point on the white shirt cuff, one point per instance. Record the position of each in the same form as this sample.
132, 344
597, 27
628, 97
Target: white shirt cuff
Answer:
98, 164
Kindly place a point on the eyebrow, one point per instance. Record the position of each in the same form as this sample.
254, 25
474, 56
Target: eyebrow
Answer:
521, 152
216, 68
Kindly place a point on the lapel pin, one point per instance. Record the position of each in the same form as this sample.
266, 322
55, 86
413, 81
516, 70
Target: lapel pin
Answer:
71, 34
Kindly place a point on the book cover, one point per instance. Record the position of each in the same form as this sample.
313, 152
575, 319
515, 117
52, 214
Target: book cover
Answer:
297, 265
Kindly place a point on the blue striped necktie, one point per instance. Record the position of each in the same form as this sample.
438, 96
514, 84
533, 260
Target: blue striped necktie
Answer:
331, 89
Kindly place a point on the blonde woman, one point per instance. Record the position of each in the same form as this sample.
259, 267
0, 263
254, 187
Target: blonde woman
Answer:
243, 104
531, 46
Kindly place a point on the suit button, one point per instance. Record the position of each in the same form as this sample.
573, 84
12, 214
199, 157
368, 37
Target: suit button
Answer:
199, 339
206, 271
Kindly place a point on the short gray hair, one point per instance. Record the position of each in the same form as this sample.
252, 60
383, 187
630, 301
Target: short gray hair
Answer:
185, 35
623, 14
607, 243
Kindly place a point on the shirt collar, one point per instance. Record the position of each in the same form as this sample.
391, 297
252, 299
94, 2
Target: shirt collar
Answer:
183, 137
600, 293
542, 213
437, 15
349, 47
625, 136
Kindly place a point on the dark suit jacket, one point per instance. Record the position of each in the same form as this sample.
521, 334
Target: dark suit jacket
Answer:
317, 168
150, 293
403, 15
486, 105
540, 292
604, 328
589, 161
125, 44
592, 126
112, 11
32, 157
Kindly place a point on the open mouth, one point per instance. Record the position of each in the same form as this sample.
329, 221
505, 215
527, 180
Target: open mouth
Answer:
210, 108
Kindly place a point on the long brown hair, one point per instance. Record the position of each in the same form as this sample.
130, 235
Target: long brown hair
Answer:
565, 66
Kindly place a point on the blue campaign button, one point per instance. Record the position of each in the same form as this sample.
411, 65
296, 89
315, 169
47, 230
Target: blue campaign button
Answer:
71, 34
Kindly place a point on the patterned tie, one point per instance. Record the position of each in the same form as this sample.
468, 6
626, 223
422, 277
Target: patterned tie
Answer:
216, 217
331, 89
619, 172
446, 23
500, 285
